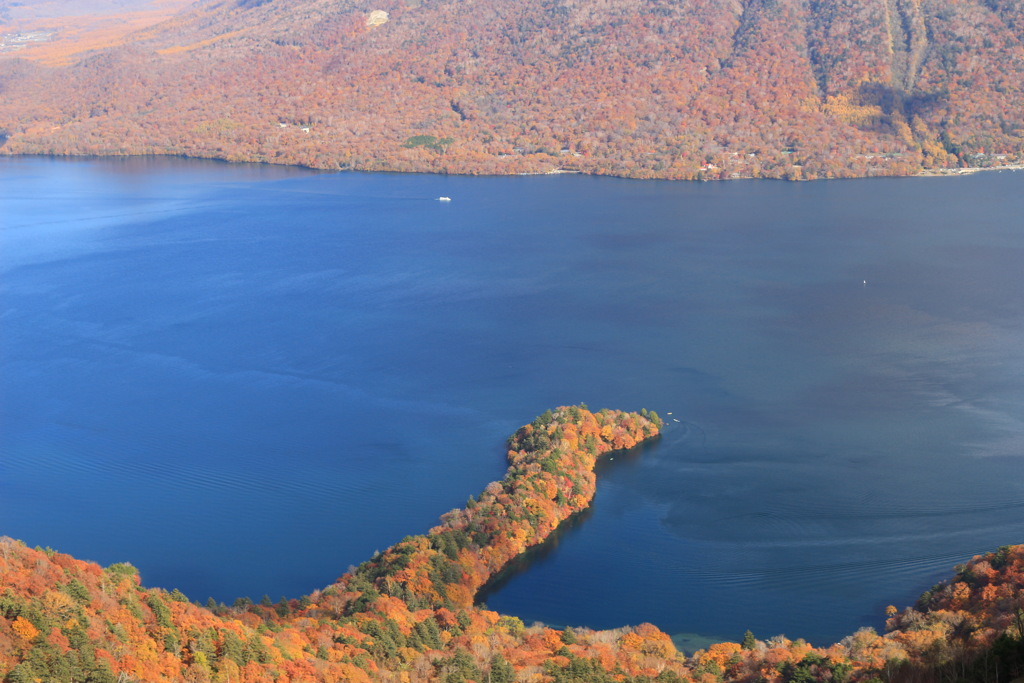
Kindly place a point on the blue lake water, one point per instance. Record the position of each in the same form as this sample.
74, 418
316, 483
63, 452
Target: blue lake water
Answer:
244, 379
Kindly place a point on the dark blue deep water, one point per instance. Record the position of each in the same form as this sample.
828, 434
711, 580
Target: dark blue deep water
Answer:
245, 379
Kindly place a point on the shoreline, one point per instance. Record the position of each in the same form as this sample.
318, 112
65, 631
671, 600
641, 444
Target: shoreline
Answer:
967, 170
550, 480
922, 173
410, 609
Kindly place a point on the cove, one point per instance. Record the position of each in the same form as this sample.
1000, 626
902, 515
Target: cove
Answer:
245, 379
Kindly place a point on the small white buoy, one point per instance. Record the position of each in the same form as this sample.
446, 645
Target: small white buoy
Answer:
865, 283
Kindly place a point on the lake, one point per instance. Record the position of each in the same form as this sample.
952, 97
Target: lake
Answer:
244, 379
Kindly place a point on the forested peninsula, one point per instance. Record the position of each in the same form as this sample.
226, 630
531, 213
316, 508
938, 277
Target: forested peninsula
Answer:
702, 89
409, 614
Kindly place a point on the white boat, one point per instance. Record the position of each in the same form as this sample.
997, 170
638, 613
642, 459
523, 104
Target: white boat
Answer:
444, 199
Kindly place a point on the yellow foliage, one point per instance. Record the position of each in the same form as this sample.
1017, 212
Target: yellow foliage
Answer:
631, 641
840, 107
961, 594
227, 671
552, 639
460, 595
290, 643
720, 653
903, 132
59, 604
393, 608
24, 628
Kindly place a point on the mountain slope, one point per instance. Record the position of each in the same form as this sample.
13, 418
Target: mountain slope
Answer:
55, 31
644, 88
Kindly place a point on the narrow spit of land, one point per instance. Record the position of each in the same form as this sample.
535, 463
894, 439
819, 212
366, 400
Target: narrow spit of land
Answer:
409, 613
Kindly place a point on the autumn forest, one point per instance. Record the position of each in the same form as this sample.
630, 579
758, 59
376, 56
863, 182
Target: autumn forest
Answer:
706, 89
409, 613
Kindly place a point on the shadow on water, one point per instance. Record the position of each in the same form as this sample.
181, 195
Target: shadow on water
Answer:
623, 459
543, 551
537, 554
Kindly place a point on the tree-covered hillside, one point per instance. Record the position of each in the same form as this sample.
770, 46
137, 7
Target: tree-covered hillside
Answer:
409, 614
643, 88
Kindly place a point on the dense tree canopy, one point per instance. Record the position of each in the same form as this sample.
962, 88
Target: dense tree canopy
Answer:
409, 614
643, 88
